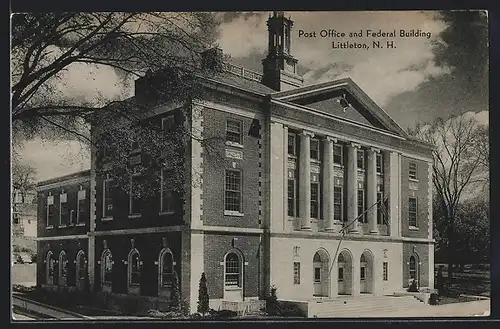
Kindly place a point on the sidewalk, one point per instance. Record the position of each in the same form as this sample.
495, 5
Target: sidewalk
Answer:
475, 308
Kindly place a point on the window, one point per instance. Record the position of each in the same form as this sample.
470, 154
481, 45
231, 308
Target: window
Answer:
412, 211
341, 274
361, 205
361, 159
379, 163
380, 213
135, 195
233, 131
363, 273
167, 268
385, 271
337, 203
413, 268
107, 266
167, 197
81, 212
81, 263
167, 123
50, 263
107, 205
51, 211
233, 191
63, 209
134, 267
337, 155
413, 170
291, 197
232, 269
292, 144
314, 152
296, 272
315, 200
317, 274
63, 268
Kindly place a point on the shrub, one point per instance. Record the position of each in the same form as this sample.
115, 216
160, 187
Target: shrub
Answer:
203, 298
434, 299
272, 304
222, 314
176, 294
413, 286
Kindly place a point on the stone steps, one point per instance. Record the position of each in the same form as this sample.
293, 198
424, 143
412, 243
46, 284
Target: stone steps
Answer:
365, 306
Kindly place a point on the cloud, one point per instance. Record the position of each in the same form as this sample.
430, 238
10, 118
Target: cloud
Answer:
53, 159
382, 73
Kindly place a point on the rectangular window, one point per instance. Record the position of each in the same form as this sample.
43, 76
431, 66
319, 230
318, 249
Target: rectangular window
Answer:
341, 274
167, 123
337, 155
135, 195
412, 211
81, 205
296, 272
167, 196
233, 131
413, 170
291, 197
107, 205
361, 159
385, 271
379, 163
363, 273
232, 199
317, 274
315, 200
64, 210
314, 153
51, 211
361, 205
380, 213
337, 203
292, 144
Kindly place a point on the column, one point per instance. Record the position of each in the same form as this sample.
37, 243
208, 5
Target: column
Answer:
392, 176
371, 193
352, 187
328, 182
305, 180
356, 276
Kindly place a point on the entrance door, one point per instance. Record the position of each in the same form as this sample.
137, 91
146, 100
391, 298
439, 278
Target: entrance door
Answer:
318, 286
341, 281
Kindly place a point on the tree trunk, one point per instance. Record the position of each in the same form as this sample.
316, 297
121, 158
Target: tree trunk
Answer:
451, 248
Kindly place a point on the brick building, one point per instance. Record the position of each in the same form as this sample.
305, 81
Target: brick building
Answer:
320, 193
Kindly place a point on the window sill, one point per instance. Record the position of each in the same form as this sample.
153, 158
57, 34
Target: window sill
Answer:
134, 151
234, 144
165, 213
62, 226
233, 213
413, 228
361, 170
106, 219
80, 224
315, 161
232, 288
292, 156
337, 165
413, 180
49, 227
380, 174
133, 216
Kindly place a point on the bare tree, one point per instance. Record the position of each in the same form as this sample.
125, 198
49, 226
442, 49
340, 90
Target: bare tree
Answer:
459, 164
23, 179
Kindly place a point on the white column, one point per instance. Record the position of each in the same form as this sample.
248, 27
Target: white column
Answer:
328, 182
305, 180
277, 176
352, 187
356, 276
393, 176
371, 186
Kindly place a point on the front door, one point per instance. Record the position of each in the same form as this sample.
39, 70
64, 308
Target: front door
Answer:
318, 286
341, 281
362, 275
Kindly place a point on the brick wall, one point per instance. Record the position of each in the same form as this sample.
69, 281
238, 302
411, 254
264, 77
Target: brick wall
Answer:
216, 246
214, 166
422, 252
72, 191
421, 193
149, 247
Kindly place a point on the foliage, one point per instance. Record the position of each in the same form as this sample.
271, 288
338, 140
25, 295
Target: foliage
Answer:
272, 304
434, 299
203, 298
413, 286
176, 294
461, 159
23, 179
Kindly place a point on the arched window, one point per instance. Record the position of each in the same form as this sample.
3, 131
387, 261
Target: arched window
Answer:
166, 268
50, 262
363, 258
63, 267
413, 267
341, 258
316, 258
134, 268
81, 262
232, 270
106, 266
